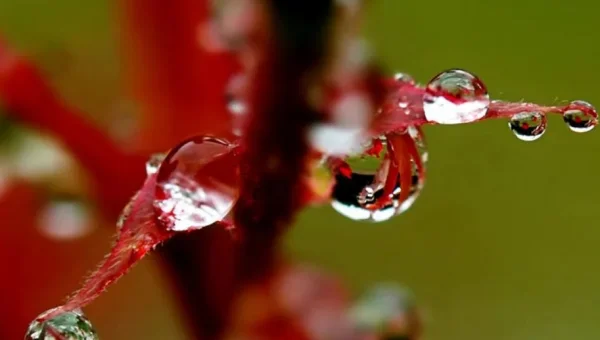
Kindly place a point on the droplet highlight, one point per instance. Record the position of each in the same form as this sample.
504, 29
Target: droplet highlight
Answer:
580, 116
197, 184
455, 97
528, 126
72, 325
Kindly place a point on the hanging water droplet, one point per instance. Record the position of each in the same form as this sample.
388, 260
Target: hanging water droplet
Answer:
528, 126
72, 325
454, 97
580, 116
361, 183
153, 163
197, 184
388, 311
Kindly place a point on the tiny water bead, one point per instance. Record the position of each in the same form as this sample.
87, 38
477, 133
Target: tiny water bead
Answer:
528, 126
454, 97
197, 183
403, 78
153, 163
72, 325
580, 116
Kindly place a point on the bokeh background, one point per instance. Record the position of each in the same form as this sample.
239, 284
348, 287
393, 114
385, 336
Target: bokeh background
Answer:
502, 244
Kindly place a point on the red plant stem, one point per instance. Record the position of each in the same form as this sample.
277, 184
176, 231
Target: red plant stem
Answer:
290, 55
138, 234
29, 98
181, 90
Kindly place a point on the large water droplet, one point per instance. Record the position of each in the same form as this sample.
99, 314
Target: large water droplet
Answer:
528, 126
71, 325
454, 97
580, 116
197, 184
387, 311
361, 183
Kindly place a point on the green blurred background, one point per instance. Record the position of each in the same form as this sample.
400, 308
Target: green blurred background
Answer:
502, 244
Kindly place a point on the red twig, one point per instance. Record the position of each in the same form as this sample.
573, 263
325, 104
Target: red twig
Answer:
29, 98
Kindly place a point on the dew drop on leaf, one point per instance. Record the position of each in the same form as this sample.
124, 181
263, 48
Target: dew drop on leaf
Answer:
197, 184
580, 116
528, 126
72, 325
454, 97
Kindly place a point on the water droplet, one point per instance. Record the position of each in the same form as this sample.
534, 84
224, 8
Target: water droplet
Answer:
528, 126
404, 78
580, 116
153, 163
388, 310
197, 183
454, 97
361, 182
71, 325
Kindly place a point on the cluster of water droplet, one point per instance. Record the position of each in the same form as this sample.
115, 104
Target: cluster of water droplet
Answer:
71, 325
457, 96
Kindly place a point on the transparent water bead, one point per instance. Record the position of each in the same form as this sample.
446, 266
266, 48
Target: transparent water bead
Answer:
362, 181
197, 183
71, 325
454, 97
388, 310
528, 126
580, 116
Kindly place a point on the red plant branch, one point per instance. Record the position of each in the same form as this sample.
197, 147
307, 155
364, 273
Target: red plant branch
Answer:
29, 98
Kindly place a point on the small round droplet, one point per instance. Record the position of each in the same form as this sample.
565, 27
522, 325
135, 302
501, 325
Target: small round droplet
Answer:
580, 116
387, 311
361, 182
71, 325
404, 78
197, 184
528, 126
454, 97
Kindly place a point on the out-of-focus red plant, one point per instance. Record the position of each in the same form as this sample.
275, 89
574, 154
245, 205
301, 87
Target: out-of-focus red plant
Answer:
310, 107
